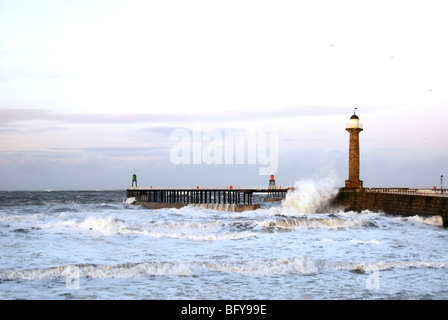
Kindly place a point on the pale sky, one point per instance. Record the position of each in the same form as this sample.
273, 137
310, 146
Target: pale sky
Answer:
91, 90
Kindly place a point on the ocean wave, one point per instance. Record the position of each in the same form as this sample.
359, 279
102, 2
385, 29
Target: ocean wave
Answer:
431, 220
106, 225
110, 226
252, 268
302, 265
200, 237
211, 230
316, 223
373, 241
383, 266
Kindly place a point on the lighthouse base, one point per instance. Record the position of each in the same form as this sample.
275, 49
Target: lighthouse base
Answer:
349, 184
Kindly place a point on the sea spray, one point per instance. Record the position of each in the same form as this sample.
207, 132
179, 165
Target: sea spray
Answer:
311, 196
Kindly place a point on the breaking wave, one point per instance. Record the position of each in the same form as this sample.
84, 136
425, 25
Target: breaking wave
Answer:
317, 223
383, 266
311, 196
105, 225
211, 230
254, 268
110, 226
432, 220
301, 265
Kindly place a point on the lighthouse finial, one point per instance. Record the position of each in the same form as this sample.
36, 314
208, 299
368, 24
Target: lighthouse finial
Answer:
354, 111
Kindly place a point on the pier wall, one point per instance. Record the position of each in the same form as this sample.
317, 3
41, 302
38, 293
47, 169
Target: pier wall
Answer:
390, 203
212, 206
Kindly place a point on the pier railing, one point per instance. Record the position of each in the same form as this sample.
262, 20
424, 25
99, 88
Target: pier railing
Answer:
251, 188
411, 191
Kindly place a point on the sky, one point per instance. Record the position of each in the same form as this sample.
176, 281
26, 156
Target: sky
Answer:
94, 91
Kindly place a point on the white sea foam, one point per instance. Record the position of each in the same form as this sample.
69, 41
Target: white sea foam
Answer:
254, 268
432, 220
105, 225
211, 230
192, 230
200, 237
316, 223
131, 200
373, 241
383, 265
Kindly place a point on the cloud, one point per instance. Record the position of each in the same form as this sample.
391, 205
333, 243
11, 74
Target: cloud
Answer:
15, 115
118, 151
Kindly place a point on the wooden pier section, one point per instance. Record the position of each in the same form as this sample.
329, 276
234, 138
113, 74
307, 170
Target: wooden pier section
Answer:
218, 198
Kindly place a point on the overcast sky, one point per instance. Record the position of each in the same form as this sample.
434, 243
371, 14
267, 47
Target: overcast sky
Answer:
92, 91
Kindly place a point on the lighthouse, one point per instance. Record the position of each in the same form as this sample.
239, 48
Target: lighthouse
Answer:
354, 128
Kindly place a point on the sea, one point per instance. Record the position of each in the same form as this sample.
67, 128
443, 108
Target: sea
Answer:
82, 244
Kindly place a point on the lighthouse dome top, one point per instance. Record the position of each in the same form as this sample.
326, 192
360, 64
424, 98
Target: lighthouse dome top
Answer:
354, 122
